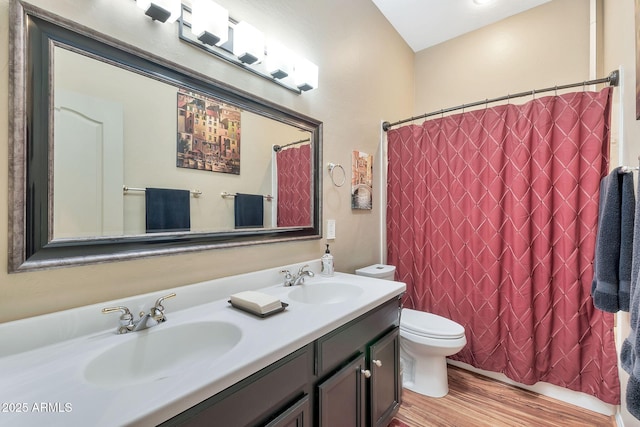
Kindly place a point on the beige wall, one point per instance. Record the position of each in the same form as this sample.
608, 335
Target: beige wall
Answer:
366, 76
539, 48
619, 52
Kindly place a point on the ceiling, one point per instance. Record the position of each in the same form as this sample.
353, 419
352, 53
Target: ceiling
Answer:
424, 23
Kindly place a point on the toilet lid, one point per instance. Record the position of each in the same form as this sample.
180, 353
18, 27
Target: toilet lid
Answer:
380, 271
429, 325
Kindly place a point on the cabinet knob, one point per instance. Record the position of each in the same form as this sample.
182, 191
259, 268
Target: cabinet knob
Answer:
377, 363
366, 373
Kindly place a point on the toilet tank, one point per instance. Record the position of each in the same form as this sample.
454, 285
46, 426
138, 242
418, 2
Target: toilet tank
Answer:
379, 271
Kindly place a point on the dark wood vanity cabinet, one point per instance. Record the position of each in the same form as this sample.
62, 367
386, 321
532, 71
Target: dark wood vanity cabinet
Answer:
366, 392
366, 388
348, 377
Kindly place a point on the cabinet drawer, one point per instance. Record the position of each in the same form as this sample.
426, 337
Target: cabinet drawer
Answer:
337, 347
256, 398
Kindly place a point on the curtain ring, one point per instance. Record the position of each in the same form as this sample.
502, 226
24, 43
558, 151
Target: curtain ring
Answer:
332, 167
486, 103
508, 99
533, 94
556, 90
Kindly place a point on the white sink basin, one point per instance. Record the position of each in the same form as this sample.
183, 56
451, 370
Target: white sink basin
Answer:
325, 293
160, 352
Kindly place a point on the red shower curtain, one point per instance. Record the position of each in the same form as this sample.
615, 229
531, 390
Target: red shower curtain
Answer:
491, 222
294, 186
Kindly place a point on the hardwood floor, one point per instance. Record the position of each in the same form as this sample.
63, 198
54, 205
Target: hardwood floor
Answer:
475, 401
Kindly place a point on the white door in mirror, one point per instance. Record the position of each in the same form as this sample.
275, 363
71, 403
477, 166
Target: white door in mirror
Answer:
88, 167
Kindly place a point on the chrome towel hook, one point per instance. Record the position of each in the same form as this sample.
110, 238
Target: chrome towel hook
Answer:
331, 167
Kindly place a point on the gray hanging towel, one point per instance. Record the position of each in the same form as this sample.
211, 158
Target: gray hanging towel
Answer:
627, 223
249, 210
167, 210
630, 350
612, 265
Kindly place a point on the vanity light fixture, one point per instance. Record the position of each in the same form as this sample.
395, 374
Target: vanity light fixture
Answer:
279, 60
242, 45
161, 10
248, 43
210, 23
305, 74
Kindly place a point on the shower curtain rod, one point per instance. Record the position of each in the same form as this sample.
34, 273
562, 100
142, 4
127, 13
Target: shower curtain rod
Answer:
277, 148
612, 79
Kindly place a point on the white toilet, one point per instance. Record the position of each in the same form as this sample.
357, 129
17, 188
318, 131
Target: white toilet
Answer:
425, 342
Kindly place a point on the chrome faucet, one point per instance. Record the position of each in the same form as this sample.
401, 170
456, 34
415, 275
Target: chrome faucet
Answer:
146, 320
298, 279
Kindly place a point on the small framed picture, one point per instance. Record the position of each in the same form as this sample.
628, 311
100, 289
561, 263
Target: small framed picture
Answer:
361, 181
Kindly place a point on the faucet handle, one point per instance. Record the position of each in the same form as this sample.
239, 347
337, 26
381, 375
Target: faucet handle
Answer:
126, 318
157, 312
285, 272
159, 301
288, 278
126, 314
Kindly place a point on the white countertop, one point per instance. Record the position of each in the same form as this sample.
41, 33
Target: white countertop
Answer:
43, 380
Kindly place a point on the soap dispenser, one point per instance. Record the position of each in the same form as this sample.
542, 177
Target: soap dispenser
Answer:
327, 263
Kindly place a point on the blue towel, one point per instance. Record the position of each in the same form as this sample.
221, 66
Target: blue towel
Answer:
613, 254
630, 351
167, 210
249, 210
627, 222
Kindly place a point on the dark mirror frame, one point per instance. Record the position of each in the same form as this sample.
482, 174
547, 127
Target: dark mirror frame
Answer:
33, 32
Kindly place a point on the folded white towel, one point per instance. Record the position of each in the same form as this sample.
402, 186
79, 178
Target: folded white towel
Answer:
257, 302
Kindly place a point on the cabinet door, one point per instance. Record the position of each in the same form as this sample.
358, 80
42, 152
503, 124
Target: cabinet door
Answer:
384, 387
341, 397
296, 416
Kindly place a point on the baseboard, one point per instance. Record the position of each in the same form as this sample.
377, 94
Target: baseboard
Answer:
571, 397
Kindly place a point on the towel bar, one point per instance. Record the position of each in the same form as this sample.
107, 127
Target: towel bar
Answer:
225, 195
628, 169
125, 189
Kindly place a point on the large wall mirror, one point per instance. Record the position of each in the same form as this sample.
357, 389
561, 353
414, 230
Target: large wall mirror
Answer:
119, 154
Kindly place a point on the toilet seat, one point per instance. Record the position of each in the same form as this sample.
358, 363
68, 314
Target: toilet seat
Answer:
429, 325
